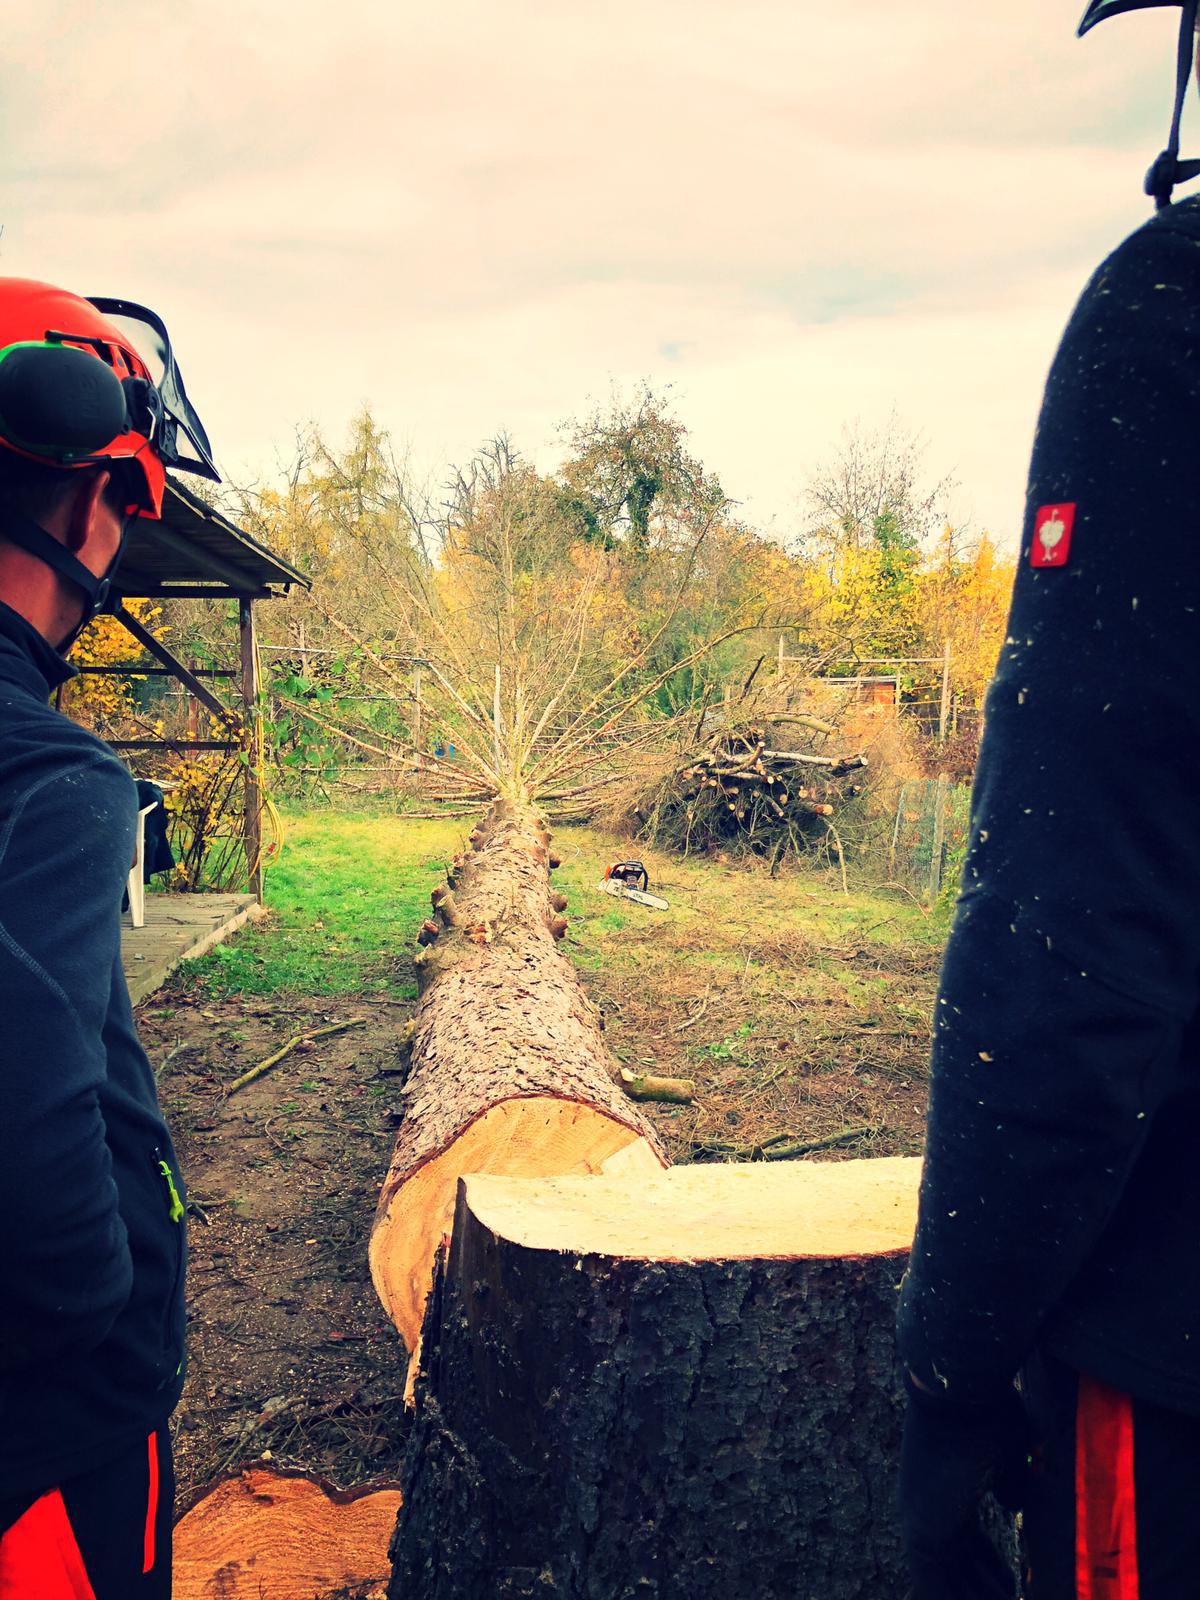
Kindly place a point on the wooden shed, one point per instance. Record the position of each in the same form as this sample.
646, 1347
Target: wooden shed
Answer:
196, 553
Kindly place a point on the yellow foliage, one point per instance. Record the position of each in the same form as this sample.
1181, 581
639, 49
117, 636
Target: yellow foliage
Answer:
963, 597
97, 700
858, 601
862, 601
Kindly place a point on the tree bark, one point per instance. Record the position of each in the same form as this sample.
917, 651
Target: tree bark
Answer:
683, 1391
509, 1073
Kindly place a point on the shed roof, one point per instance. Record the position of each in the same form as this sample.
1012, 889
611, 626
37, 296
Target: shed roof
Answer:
196, 551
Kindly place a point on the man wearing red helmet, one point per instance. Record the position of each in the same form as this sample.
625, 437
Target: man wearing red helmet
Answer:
92, 412
1060, 1196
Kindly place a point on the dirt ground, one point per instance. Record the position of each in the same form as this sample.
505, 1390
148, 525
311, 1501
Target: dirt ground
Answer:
800, 1013
845, 1069
291, 1358
801, 1017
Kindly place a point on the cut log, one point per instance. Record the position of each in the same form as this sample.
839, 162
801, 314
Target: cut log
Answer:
645, 1086
685, 1388
509, 1073
281, 1534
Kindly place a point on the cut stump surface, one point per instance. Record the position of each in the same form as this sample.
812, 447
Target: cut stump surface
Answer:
265, 1534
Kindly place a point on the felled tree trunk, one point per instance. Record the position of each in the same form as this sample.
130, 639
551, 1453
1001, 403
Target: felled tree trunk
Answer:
259, 1533
509, 1073
684, 1390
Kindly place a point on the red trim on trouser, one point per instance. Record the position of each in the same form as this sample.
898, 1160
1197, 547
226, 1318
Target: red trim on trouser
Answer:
39, 1555
151, 1507
1106, 1565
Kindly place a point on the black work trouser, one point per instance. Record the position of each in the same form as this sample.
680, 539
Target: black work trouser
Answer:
1113, 1509
105, 1535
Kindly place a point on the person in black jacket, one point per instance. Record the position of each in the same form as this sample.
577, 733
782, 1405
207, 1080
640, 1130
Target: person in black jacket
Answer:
92, 1205
1060, 1199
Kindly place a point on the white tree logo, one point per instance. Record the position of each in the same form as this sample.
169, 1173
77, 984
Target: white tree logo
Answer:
1050, 533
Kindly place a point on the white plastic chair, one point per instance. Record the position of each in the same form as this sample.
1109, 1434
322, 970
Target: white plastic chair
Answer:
137, 881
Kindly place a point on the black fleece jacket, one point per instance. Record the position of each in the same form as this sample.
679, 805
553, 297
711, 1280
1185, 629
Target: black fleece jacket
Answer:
1060, 1201
91, 1206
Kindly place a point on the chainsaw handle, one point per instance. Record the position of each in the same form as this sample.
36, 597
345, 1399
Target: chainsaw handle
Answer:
629, 871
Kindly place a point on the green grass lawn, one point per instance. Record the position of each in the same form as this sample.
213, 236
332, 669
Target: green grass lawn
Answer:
350, 891
346, 899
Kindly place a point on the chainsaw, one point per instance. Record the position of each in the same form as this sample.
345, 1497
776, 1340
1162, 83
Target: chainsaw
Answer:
630, 880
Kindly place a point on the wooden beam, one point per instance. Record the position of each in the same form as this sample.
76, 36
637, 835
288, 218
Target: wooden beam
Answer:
136, 669
252, 811
199, 591
171, 744
185, 675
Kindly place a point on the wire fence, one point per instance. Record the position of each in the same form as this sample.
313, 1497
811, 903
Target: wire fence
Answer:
920, 689
929, 834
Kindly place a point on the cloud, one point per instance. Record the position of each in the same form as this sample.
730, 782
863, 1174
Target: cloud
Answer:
477, 216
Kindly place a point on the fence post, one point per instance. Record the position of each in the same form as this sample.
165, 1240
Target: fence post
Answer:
944, 711
499, 756
896, 829
939, 839
418, 733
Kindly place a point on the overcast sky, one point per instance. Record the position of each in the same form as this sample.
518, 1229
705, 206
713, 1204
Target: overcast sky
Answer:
480, 215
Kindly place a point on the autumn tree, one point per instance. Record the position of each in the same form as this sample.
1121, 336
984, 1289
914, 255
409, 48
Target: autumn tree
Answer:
963, 597
629, 474
872, 517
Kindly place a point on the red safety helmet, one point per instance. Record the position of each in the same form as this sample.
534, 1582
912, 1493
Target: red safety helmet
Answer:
89, 381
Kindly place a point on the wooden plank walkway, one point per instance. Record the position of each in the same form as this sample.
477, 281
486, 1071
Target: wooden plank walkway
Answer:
178, 928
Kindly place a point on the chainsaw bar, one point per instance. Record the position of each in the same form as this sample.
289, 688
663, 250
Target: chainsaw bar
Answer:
622, 890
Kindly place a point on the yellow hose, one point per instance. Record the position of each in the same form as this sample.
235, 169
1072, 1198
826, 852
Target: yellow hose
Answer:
269, 851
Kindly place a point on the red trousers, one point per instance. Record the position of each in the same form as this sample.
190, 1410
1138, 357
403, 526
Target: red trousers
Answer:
105, 1535
1114, 1507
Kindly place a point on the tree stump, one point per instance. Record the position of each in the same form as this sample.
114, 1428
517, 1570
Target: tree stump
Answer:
685, 1389
508, 1073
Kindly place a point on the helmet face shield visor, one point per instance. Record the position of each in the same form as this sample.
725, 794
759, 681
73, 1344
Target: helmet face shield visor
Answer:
180, 439
1101, 10
1168, 170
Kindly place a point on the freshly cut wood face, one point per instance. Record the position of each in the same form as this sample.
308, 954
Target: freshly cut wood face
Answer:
526, 1138
803, 1210
268, 1534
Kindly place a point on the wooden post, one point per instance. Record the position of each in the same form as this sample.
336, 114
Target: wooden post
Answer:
944, 710
417, 730
252, 818
781, 653
896, 829
496, 739
939, 839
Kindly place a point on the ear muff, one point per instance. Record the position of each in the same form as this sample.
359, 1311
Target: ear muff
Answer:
59, 402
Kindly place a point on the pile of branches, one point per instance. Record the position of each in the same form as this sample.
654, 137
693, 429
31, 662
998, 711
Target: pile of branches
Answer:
746, 783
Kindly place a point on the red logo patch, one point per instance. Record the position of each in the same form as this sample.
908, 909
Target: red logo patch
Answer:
1052, 536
